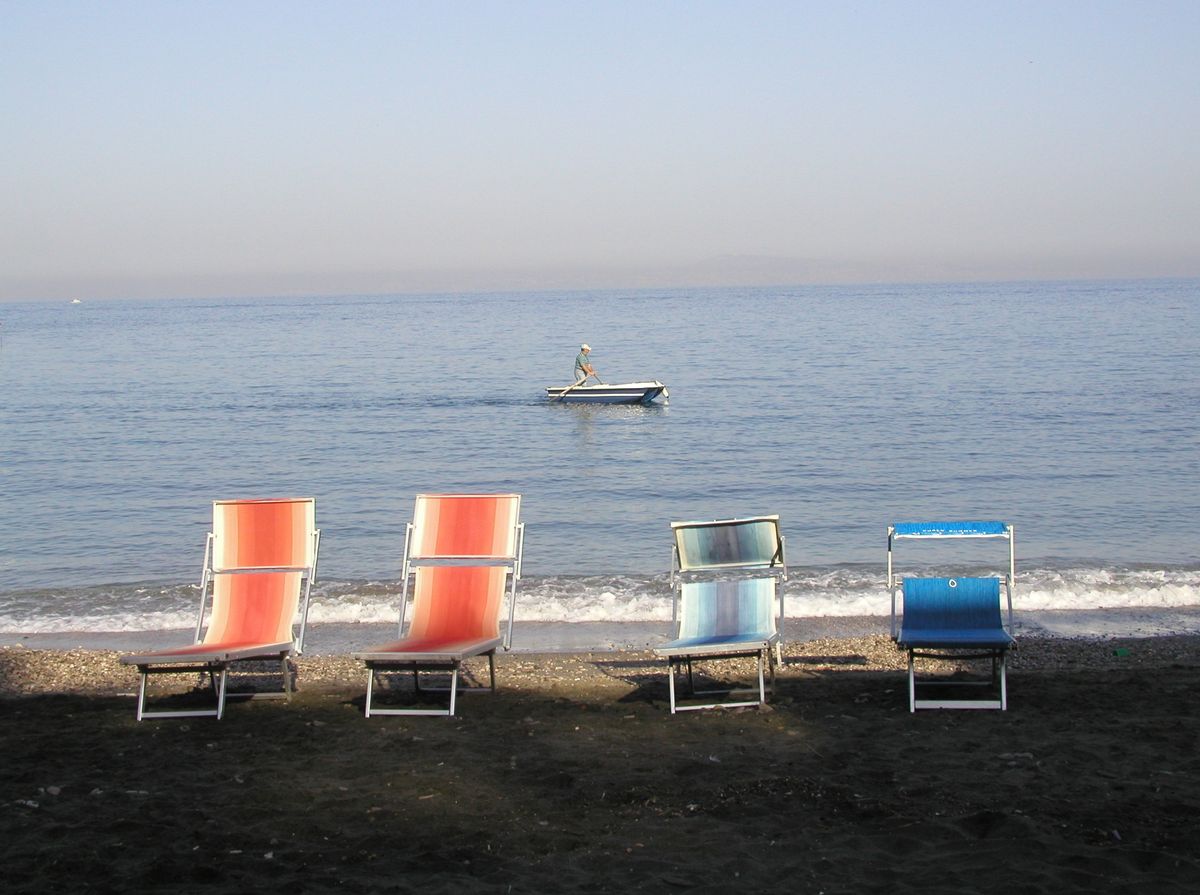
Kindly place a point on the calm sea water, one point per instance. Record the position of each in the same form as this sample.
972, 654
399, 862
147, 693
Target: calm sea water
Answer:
1069, 409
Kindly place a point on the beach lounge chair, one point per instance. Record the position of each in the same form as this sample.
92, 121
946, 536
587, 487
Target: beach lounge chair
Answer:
953, 619
462, 553
721, 609
260, 561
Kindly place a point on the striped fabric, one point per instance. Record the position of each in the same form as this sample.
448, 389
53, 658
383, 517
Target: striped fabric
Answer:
456, 603
949, 612
263, 534
727, 611
950, 529
465, 525
260, 561
253, 607
732, 543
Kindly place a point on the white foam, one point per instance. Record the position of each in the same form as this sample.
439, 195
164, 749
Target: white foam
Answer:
833, 592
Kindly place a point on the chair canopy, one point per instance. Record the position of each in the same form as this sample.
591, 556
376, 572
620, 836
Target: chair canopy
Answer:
727, 611
472, 526
951, 530
264, 534
728, 544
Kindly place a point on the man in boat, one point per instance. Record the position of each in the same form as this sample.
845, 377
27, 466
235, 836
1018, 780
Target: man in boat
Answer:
583, 367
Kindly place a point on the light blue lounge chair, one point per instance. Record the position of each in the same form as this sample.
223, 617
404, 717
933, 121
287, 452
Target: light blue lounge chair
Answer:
953, 618
722, 609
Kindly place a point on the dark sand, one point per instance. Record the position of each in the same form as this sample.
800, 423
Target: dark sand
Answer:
575, 778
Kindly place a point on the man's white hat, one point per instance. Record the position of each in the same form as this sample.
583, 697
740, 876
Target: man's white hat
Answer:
585, 347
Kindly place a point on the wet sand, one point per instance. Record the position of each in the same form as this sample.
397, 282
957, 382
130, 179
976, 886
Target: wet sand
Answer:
574, 777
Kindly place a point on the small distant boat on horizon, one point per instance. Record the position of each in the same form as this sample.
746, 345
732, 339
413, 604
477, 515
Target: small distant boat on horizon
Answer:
609, 393
76, 301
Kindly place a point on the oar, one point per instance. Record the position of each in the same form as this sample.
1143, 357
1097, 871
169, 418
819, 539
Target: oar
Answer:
559, 396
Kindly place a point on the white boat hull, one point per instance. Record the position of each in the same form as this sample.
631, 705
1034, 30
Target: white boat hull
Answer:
608, 393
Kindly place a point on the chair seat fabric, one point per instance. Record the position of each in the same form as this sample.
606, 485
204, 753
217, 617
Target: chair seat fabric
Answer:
953, 610
722, 643
208, 652
724, 617
424, 649
949, 638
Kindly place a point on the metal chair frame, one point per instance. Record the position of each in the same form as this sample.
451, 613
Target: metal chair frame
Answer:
683, 570
217, 664
998, 655
379, 665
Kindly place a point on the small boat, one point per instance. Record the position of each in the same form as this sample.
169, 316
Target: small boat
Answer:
608, 393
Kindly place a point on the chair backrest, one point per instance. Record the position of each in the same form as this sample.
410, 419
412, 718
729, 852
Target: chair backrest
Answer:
469, 526
732, 609
264, 534
729, 544
952, 604
485, 531
457, 602
254, 607
261, 560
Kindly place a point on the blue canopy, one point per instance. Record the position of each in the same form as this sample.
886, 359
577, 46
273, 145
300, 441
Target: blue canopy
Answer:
950, 529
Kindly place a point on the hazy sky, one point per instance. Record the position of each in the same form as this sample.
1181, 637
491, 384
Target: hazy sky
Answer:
163, 148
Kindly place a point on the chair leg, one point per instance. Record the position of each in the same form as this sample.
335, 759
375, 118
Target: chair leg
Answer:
762, 686
671, 682
370, 688
492, 669
217, 685
453, 689
912, 685
221, 694
287, 678
1003, 683
141, 705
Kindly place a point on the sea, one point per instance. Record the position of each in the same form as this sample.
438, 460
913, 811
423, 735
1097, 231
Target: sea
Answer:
1069, 409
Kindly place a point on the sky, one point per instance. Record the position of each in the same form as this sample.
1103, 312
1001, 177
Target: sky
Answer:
162, 149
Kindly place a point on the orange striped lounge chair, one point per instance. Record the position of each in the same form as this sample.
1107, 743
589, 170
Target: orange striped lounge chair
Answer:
462, 558
260, 561
727, 603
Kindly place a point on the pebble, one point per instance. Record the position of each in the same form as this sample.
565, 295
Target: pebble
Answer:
98, 672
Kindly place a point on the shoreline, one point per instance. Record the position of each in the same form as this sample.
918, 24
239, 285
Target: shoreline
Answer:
531, 637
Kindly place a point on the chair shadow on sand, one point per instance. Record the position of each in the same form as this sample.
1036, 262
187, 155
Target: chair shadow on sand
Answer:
649, 684
430, 694
256, 678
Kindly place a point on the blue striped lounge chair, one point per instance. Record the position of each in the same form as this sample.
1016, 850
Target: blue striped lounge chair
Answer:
953, 619
724, 606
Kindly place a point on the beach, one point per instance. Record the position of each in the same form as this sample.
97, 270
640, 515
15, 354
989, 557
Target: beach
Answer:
574, 777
